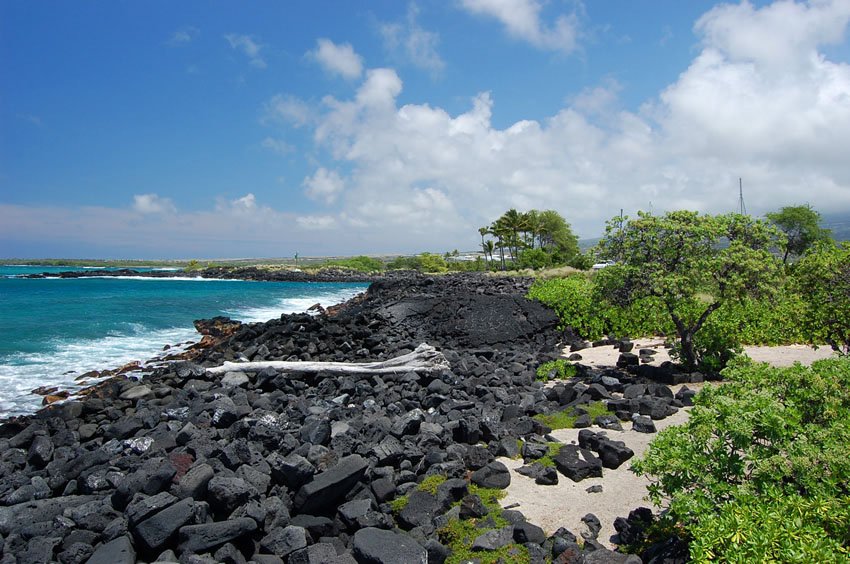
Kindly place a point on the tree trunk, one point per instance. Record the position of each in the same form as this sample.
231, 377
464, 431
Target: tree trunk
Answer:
424, 359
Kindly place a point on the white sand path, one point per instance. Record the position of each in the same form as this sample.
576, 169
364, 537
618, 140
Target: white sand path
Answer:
563, 505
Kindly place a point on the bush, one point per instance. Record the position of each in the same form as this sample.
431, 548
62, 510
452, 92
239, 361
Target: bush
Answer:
426, 262
572, 300
555, 370
760, 470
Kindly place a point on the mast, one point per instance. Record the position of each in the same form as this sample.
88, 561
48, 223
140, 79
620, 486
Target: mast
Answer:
742, 209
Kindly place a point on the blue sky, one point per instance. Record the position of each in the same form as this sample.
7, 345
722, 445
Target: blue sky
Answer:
209, 129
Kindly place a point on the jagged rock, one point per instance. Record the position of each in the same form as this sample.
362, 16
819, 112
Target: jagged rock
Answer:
328, 487
643, 424
156, 530
285, 540
117, 551
493, 475
201, 538
494, 539
376, 546
577, 463
419, 511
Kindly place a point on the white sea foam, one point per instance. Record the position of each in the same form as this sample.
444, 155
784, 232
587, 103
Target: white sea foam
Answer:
293, 305
23, 372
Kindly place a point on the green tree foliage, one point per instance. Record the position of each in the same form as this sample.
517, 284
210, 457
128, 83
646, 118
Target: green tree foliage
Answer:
692, 263
822, 277
519, 233
425, 262
759, 472
801, 226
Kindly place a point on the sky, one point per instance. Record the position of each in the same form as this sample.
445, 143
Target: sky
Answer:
223, 129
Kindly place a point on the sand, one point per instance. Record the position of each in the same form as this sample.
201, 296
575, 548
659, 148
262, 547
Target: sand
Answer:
563, 505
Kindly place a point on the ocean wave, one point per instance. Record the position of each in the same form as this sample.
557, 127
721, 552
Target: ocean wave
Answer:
297, 304
20, 373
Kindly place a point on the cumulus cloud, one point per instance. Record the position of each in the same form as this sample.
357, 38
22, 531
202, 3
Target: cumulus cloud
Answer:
337, 59
249, 47
416, 170
324, 185
522, 20
413, 44
153, 204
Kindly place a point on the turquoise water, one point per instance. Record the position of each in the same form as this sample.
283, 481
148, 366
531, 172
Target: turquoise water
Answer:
52, 330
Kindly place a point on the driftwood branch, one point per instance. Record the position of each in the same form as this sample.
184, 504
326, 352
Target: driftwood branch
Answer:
424, 359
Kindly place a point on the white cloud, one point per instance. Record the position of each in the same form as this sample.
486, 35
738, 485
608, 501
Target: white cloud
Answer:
316, 222
325, 185
153, 204
183, 36
287, 109
249, 47
422, 176
523, 20
413, 43
337, 59
278, 146
413, 177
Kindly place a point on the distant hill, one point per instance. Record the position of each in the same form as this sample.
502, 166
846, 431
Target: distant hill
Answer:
839, 224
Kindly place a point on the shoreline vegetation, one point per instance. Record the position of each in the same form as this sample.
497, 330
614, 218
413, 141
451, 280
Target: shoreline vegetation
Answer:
404, 467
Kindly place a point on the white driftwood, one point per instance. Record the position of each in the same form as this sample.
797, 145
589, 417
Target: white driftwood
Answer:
424, 359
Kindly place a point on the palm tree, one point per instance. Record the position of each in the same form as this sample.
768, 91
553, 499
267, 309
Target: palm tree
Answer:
489, 247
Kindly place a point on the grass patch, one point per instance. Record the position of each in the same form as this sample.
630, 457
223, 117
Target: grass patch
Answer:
566, 419
459, 534
431, 483
547, 460
559, 369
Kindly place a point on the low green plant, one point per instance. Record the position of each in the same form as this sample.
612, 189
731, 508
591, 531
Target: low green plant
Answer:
459, 534
759, 472
431, 483
572, 300
559, 369
551, 453
566, 419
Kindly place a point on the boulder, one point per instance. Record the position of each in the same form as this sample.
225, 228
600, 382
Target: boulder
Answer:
330, 486
377, 546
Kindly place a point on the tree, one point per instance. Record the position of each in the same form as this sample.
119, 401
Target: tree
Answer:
693, 263
557, 236
801, 225
822, 277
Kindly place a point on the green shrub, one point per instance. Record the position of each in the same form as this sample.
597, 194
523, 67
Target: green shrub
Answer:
425, 262
559, 369
760, 470
572, 300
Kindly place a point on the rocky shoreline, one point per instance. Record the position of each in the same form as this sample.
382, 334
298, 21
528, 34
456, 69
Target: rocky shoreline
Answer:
253, 273
188, 465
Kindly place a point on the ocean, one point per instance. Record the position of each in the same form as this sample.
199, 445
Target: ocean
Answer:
53, 330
